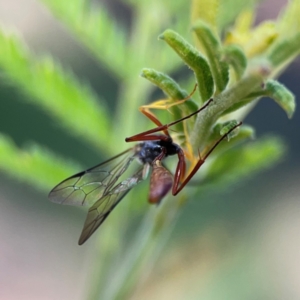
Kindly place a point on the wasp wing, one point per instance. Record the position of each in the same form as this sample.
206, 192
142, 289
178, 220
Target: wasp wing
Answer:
103, 207
86, 187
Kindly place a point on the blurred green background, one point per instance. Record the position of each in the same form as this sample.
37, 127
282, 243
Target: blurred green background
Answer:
239, 243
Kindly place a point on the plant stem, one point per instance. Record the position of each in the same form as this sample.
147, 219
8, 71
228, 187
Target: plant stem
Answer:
146, 247
220, 103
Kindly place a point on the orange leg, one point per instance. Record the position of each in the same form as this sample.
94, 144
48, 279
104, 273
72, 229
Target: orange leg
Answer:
162, 104
144, 136
177, 186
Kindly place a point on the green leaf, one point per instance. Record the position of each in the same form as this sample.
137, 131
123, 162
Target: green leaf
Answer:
169, 86
230, 9
56, 91
281, 95
97, 30
34, 165
239, 163
211, 45
221, 103
244, 133
227, 126
289, 21
194, 60
273, 89
242, 103
283, 51
175, 93
206, 11
234, 56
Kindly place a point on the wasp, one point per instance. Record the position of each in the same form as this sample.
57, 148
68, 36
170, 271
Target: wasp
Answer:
101, 187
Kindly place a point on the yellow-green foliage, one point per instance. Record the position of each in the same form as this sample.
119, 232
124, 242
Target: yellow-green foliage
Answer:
231, 60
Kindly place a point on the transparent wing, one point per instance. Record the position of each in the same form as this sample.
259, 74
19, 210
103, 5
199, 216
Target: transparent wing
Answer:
86, 187
103, 207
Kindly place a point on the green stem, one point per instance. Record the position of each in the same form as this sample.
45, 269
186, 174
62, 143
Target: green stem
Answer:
146, 247
220, 103
103, 254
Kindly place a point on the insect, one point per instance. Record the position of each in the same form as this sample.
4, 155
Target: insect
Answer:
102, 186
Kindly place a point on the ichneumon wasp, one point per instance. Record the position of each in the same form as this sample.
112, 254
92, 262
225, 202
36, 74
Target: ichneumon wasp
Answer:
99, 188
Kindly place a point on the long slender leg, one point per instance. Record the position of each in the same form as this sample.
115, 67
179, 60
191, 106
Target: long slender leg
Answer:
177, 186
162, 104
141, 136
180, 169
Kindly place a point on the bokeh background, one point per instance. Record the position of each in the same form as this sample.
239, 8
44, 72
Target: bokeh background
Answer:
239, 243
